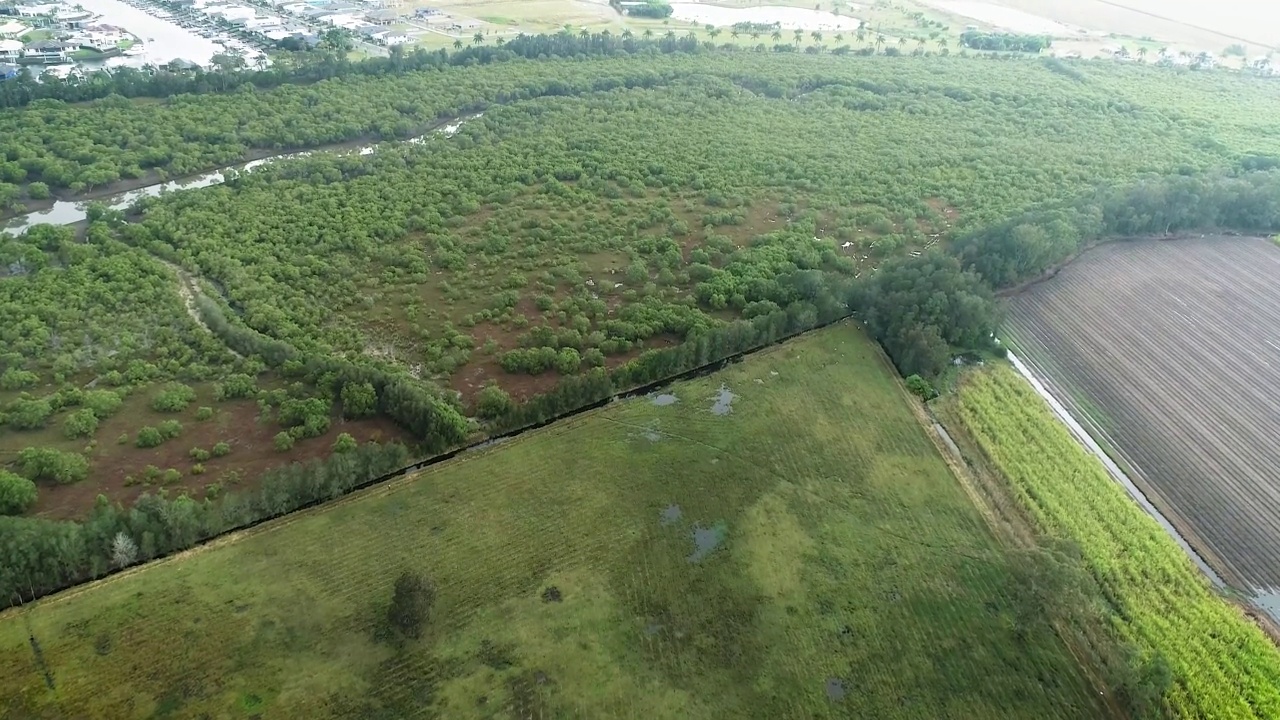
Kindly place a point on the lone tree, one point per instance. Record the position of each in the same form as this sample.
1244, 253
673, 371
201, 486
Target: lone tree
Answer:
410, 605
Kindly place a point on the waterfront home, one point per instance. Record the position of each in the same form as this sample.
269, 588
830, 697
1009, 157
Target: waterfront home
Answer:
46, 52
10, 51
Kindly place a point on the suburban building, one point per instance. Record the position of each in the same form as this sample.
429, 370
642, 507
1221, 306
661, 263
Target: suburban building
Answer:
73, 19
46, 51
10, 51
382, 17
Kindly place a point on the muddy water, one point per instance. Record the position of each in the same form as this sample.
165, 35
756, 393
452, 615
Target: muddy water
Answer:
664, 400
1116, 473
71, 212
723, 401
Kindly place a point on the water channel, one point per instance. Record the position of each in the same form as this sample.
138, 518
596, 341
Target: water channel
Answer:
70, 212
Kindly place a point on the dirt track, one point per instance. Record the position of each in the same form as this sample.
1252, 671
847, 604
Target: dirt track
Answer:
1172, 350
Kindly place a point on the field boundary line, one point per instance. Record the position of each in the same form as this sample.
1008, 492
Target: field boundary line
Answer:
384, 484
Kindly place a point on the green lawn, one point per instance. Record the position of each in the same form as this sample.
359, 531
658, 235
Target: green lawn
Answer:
807, 554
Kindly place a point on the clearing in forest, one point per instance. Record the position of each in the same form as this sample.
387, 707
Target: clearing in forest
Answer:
780, 539
1170, 351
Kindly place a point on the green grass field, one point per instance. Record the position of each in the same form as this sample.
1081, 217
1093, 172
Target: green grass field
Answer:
807, 554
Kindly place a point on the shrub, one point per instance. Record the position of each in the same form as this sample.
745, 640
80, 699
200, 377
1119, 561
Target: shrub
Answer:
173, 397
283, 441
235, 386
123, 439
81, 423
197, 469
411, 602
593, 357
344, 443
199, 454
103, 403
38, 191
493, 402
204, 413
17, 378
170, 476
50, 464
149, 437
921, 387
221, 449
16, 493
28, 414
358, 400
568, 361
170, 429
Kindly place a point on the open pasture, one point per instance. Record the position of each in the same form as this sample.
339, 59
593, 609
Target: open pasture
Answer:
779, 539
1171, 351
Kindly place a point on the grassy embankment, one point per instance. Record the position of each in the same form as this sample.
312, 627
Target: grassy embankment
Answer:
1221, 664
807, 554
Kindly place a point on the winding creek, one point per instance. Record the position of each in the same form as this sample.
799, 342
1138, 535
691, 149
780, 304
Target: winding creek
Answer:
70, 212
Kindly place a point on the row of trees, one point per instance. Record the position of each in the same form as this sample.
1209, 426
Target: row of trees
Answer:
925, 309
1005, 42
40, 556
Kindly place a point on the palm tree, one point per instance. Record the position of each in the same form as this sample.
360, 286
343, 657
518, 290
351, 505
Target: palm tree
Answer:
714, 33
943, 44
670, 35
626, 34
735, 34
585, 34
902, 42
880, 40
477, 39
499, 42
1142, 54
457, 44
920, 43
777, 34
861, 35
755, 35
817, 36
839, 37
798, 34
648, 33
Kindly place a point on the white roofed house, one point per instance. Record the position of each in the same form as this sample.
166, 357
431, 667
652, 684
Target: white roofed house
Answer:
10, 51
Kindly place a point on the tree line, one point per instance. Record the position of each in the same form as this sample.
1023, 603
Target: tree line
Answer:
926, 309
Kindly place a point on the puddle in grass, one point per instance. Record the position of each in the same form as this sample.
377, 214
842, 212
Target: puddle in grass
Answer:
670, 514
724, 401
664, 399
706, 540
835, 688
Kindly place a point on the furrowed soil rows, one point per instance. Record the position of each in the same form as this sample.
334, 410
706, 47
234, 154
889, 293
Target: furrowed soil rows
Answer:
1169, 351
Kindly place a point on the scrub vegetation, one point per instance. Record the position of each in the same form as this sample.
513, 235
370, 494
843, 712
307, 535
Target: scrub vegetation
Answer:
603, 213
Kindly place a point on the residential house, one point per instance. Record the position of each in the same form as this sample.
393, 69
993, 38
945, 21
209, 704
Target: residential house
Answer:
8, 72
10, 51
46, 51
382, 17
36, 10
73, 19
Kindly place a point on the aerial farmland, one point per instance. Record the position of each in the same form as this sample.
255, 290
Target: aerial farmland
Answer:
1170, 353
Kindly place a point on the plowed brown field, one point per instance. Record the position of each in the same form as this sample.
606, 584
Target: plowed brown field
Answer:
1169, 352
